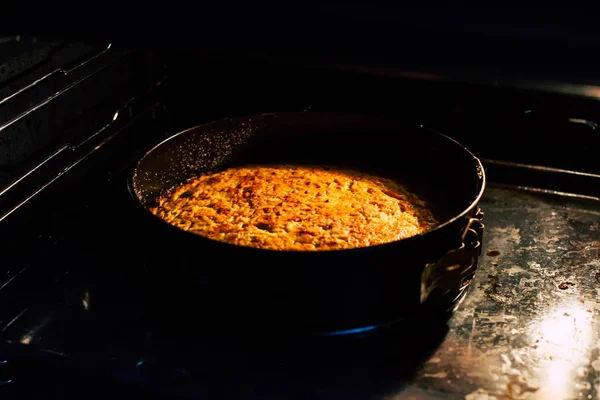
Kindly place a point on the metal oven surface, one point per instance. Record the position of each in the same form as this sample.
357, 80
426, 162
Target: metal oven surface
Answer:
79, 316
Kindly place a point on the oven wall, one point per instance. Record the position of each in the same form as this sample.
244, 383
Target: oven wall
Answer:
494, 122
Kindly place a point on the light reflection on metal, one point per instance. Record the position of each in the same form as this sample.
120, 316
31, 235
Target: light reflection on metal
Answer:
32, 333
86, 300
351, 331
592, 91
362, 329
561, 340
580, 121
389, 72
25, 175
533, 83
26, 339
538, 168
4, 363
116, 116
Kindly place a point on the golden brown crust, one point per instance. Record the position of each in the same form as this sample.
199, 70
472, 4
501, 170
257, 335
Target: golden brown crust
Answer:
295, 208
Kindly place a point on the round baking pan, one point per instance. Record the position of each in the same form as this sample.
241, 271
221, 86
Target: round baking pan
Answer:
319, 291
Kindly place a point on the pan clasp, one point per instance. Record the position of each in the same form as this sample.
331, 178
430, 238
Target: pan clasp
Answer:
455, 270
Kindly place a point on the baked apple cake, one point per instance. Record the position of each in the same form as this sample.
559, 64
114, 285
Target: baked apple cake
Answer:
301, 208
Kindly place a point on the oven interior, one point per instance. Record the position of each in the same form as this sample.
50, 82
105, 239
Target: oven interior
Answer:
74, 118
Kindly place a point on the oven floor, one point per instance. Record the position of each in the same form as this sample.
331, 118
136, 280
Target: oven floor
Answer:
528, 328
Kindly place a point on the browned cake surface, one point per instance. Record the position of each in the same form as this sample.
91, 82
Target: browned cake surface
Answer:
295, 208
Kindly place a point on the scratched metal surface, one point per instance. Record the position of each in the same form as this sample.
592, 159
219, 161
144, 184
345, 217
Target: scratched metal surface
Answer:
530, 327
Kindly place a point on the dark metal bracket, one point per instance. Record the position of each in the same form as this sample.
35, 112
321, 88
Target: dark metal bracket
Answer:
455, 269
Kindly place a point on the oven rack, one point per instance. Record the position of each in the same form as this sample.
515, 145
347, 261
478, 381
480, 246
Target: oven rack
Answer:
549, 181
58, 71
35, 111
70, 150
